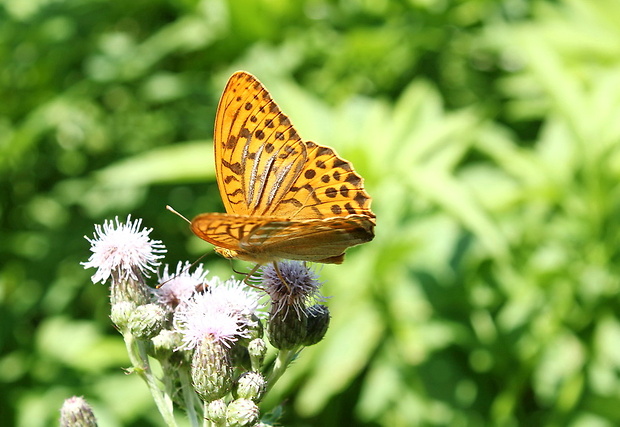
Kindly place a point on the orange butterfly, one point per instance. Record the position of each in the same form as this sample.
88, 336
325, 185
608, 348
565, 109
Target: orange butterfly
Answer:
285, 198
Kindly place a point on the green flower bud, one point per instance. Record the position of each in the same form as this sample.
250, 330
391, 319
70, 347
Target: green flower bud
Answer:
255, 329
318, 322
165, 343
242, 412
251, 385
212, 370
147, 321
216, 412
287, 329
76, 412
130, 290
120, 314
257, 350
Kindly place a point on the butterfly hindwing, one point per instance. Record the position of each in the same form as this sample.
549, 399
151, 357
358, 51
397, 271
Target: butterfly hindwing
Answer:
308, 240
265, 239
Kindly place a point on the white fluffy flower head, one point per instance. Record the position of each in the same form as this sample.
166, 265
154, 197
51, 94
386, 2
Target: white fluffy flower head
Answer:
233, 296
179, 286
221, 313
123, 251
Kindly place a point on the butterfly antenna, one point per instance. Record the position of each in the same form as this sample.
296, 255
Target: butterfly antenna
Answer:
175, 212
193, 264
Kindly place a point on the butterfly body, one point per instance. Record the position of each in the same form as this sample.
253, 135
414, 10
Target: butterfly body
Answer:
285, 198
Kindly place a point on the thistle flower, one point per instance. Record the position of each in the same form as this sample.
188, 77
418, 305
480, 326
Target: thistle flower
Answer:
179, 286
222, 313
76, 411
123, 251
290, 285
210, 322
234, 297
300, 285
199, 319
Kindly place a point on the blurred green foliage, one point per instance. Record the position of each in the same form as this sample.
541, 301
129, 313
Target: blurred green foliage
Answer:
488, 135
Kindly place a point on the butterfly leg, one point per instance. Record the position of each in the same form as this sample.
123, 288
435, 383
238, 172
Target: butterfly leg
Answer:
279, 273
248, 275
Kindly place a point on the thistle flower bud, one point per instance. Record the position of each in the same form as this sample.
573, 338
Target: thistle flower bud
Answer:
132, 290
121, 312
255, 328
147, 321
212, 370
76, 412
216, 412
257, 350
165, 343
287, 329
242, 412
318, 322
251, 385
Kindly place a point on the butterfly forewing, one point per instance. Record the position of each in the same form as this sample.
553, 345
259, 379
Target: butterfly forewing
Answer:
258, 154
327, 187
224, 230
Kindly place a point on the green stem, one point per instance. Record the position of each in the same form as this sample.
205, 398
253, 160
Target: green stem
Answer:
140, 361
282, 361
189, 397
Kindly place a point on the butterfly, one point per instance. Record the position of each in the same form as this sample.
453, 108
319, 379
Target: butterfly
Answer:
285, 198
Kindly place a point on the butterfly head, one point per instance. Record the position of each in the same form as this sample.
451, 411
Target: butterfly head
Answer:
226, 253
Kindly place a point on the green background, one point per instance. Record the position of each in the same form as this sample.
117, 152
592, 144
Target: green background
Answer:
488, 135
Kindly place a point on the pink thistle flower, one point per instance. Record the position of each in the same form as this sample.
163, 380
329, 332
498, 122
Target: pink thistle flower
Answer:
123, 251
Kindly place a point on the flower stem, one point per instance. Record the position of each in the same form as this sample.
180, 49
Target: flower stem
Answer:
189, 397
282, 361
139, 360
